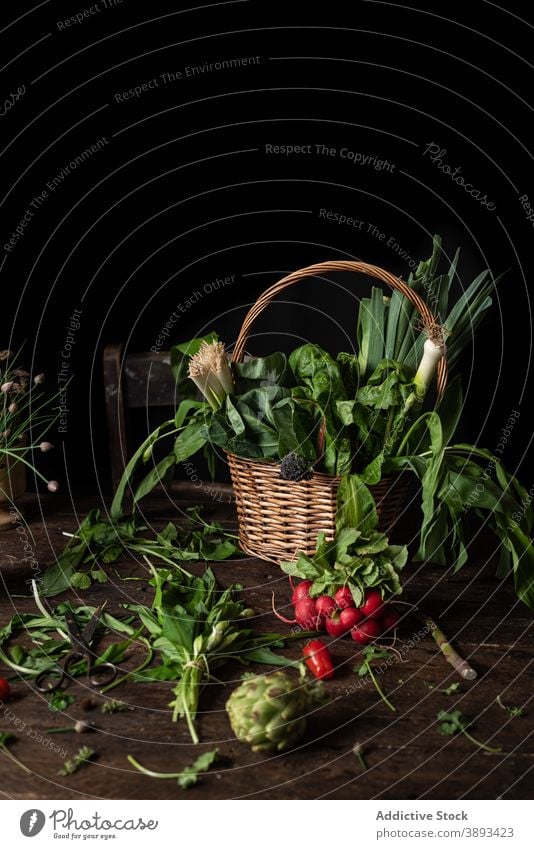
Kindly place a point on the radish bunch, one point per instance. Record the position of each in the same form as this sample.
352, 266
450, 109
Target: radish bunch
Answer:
338, 615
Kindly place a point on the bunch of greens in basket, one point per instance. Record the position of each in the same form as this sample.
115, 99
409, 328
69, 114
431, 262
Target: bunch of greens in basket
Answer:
361, 416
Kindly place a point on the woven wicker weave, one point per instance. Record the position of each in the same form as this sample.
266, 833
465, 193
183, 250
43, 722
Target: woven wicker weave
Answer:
278, 518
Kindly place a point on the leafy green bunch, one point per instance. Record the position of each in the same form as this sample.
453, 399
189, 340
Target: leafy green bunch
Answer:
353, 560
194, 628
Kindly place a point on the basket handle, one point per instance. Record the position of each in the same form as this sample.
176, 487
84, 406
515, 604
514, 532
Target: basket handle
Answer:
338, 265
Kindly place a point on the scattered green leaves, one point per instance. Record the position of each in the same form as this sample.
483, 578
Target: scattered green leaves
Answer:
83, 756
451, 689
371, 654
102, 540
512, 712
457, 723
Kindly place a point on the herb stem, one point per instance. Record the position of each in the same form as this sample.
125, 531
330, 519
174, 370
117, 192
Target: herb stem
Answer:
15, 760
379, 689
493, 751
132, 672
150, 772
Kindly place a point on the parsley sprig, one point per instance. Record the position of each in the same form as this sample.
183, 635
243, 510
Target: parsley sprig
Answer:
457, 723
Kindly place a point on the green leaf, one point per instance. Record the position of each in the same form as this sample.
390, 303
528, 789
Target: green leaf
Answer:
356, 507
142, 452
59, 701
371, 332
260, 372
154, 477
452, 723
190, 774
295, 428
265, 655
55, 580
99, 576
450, 409
185, 407
80, 580
188, 442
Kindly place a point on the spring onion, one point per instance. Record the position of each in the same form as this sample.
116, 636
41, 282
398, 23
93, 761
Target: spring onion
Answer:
210, 371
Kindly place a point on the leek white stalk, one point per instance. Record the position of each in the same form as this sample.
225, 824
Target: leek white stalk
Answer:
433, 351
210, 372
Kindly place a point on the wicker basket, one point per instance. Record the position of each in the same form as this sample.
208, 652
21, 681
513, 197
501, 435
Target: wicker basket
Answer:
277, 518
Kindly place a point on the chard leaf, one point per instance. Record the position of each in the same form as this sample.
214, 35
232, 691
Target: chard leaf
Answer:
356, 506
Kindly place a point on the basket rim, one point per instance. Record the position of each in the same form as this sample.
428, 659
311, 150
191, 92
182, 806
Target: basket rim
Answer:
318, 476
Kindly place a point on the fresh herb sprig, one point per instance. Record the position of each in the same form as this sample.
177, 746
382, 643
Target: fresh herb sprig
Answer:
457, 723
370, 654
513, 712
82, 757
189, 776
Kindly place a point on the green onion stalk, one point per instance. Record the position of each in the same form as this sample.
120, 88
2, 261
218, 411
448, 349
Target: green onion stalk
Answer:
433, 351
210, 370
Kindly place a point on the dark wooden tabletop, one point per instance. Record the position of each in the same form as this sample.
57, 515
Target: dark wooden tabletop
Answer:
407, 758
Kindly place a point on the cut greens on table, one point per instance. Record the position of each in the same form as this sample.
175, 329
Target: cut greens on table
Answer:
360, 416
100, 541
194, 628
191, 628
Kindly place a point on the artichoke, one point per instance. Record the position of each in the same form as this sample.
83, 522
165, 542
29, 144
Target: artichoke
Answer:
269, 711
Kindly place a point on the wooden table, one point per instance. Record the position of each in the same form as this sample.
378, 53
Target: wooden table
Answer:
407, 758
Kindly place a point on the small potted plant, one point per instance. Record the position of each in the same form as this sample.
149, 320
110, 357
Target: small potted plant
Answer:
25, 418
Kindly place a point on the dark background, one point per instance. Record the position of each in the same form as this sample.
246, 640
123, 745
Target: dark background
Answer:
183, 191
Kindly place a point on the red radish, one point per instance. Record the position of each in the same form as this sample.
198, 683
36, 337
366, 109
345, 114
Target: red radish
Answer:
373, 604
5, 689
318, 659
325, 606
390, 618
350, 617
366, 632
344, 598
306, 614
334, 625
301, 591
